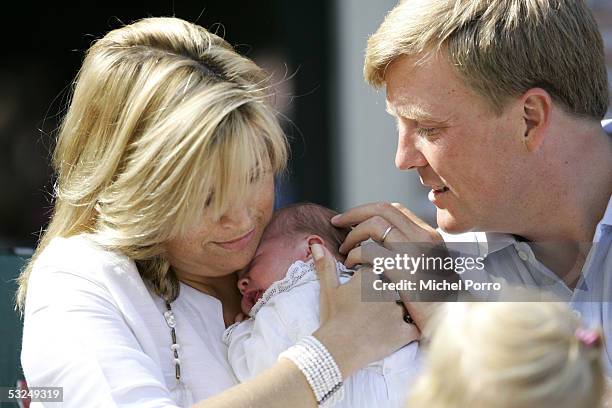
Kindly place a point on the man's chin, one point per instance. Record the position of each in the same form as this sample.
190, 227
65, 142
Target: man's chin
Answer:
451, 224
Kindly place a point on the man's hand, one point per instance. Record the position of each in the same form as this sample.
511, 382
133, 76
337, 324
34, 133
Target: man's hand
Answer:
373, 221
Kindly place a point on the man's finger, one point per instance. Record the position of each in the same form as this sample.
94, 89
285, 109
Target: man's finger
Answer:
354, 257
373, 228
364, 231
405, 221
412, 216
366, 254
361, 213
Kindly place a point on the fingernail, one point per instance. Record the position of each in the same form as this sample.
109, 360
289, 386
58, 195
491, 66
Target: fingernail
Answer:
335, 218
317, 251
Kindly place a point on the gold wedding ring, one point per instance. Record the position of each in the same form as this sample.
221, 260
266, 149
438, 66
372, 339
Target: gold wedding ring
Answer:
384, 235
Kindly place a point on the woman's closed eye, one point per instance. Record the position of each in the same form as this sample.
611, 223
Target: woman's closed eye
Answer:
258, 174
209, 200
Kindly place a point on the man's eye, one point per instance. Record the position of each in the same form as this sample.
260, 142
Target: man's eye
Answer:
426, 132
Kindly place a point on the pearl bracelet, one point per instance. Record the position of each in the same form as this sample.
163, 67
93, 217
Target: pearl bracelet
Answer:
319, 368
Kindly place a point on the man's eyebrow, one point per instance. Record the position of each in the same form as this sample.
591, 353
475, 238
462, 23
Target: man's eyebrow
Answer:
412, 112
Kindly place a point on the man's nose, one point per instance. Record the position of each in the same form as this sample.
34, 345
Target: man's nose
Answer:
243, 284
408, 155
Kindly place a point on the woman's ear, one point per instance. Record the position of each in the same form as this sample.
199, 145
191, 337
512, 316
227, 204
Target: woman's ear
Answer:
312, 239
537, 108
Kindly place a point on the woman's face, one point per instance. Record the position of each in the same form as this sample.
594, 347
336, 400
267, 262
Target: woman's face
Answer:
217, 248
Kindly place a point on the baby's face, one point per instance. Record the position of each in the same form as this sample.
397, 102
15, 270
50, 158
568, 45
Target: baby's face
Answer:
272, 259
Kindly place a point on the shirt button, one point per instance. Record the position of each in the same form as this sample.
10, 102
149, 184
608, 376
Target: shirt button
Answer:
523, 255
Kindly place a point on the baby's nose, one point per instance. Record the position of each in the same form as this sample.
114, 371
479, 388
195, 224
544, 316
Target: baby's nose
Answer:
243, 284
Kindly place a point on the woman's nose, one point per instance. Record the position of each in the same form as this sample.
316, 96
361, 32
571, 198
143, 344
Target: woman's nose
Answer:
243, 284
238, 216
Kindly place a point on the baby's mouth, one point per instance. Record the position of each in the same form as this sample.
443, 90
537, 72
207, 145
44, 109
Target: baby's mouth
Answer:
253, 297
257, 295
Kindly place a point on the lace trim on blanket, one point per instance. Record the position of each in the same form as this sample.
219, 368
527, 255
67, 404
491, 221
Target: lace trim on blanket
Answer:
298, 273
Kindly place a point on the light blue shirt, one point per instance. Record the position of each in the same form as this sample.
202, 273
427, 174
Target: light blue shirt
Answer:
513, 263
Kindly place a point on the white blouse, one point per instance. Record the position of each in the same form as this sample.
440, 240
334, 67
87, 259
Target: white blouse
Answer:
93, 327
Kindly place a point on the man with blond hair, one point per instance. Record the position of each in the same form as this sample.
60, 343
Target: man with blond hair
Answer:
499, 106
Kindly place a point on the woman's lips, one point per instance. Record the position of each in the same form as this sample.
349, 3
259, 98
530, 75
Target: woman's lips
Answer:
238, 243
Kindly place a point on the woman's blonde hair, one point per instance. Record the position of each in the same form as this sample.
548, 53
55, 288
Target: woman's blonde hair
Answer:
508, 355
501, 49
166, 122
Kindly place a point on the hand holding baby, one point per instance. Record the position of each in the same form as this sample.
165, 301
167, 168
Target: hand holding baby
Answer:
338, 303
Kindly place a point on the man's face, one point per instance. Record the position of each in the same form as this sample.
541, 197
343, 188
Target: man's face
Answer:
469, 156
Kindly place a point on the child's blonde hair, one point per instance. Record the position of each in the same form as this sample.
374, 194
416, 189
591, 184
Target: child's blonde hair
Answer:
509, 355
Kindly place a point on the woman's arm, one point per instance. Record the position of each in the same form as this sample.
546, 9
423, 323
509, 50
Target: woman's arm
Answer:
280, 386
76, 338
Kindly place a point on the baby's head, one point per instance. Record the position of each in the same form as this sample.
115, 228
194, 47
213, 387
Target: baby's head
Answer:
287, 239
510, 355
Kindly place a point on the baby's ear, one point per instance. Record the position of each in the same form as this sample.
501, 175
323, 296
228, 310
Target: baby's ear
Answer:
312, 239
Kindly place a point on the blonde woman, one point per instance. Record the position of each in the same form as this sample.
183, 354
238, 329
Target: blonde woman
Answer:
165, 163
510, 355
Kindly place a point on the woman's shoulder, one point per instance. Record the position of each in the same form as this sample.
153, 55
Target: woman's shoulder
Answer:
79, 254
80, 258
75, 269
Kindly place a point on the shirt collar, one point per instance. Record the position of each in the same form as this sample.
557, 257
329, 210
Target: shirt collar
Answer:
477, 244
485, 243
605, 222
607, 218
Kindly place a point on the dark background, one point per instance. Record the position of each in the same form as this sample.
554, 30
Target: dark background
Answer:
43, 48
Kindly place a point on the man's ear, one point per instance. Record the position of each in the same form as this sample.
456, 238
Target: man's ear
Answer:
537, 108
312, 239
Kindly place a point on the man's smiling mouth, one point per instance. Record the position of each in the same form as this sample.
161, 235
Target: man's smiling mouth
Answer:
440, 189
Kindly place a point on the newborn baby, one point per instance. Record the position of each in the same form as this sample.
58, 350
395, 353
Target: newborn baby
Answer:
280, 293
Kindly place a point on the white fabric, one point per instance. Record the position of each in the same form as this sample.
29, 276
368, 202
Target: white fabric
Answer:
93, 327
292, 312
